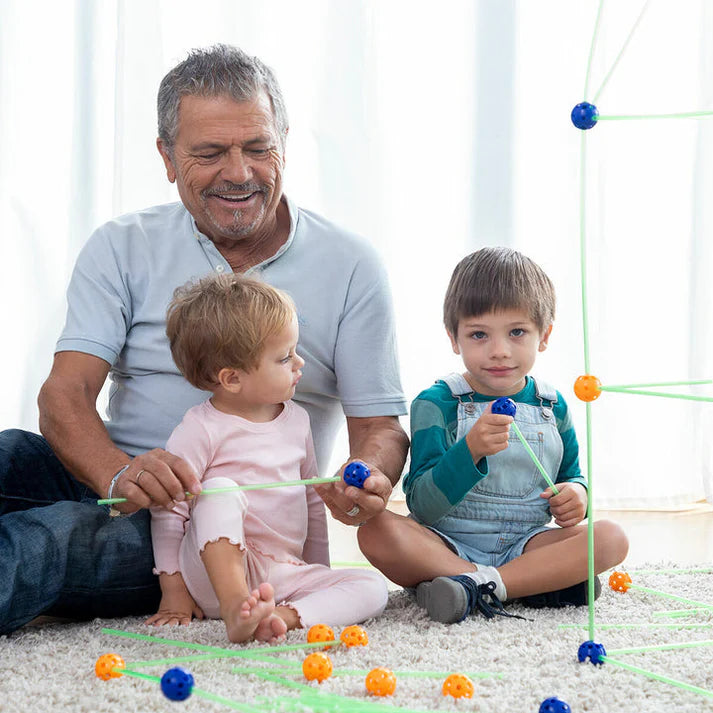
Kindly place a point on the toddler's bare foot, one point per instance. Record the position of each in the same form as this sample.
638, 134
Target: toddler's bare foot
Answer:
243, 619
271, 629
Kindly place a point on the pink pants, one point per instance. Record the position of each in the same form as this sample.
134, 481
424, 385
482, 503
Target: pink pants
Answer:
318, 594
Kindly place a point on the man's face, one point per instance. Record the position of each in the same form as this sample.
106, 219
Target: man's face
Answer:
227, 163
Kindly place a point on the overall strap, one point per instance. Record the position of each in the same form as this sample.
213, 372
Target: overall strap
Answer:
457, 384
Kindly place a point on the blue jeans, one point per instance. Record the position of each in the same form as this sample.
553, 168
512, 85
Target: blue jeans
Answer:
60, 552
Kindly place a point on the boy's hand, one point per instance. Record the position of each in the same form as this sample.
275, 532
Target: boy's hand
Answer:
489, 434
569, 507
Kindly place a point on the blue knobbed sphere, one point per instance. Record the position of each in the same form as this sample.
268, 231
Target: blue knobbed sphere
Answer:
554, 705
592, 651
356, 473
584, 115
177, 683
505, 406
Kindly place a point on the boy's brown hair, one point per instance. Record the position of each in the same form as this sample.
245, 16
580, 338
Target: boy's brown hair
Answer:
222, 321
496, 279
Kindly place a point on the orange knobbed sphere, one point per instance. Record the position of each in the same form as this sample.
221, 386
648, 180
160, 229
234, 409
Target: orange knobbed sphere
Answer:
619, 581
354, 636
105, 664
381, 682
320, 632
458, 685
317, 667
587, 387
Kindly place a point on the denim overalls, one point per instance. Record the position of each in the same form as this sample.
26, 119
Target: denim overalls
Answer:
497, 517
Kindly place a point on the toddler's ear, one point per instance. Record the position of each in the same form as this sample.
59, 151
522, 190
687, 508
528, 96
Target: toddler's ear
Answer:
229, 379
454, 343
544, 339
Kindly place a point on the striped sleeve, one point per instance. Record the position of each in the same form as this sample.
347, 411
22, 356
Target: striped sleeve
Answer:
442, 471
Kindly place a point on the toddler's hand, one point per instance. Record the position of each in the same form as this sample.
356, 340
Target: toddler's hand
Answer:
569, 507
489, 434
173, 617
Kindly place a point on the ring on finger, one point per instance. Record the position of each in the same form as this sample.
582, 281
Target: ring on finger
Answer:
353, 512
138, 475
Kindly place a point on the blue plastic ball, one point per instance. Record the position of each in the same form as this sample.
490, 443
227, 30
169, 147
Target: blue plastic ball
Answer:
592, 651
177, 683
554, 705
356, 473
584, 115
504, 406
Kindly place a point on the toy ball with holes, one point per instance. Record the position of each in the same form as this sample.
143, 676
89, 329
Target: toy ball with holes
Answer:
317, 667
356, 473
504, 406
584, 115
177, 683
592, 651
381, 682
619, 581
458, 685
587, 387
105, 665
320, 632
554, 705
354, 636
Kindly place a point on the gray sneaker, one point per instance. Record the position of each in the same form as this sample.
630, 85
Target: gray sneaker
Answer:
452, 599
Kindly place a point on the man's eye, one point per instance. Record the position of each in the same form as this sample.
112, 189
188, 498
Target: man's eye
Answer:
258, 152
208, 156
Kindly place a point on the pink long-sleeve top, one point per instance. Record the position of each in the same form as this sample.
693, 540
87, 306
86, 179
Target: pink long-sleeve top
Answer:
287, 524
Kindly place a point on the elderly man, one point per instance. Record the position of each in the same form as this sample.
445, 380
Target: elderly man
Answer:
222, 131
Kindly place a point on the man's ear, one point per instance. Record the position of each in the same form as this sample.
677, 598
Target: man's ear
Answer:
229, 379
454, 343
167, 160
544, 339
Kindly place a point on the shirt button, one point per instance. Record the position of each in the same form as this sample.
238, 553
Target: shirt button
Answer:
219, 268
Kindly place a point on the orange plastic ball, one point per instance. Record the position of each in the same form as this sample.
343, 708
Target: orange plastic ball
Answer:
354, 636
381, 682
458, 685
317, 667
587, 387
105, 664
619, 581
320, 632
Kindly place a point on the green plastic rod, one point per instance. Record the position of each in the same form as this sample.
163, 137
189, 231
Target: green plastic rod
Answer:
535, 459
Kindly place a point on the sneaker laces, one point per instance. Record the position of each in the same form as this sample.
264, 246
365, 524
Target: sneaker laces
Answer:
482, 597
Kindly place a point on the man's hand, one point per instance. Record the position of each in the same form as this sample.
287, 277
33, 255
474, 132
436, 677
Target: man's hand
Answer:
489, 434
569, 507
362, 503
177, 606
154, 478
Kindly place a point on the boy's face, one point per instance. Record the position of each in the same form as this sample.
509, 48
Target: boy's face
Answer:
498, 350
280, 368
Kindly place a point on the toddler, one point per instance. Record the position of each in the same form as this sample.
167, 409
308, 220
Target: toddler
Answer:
233, 555
479, 531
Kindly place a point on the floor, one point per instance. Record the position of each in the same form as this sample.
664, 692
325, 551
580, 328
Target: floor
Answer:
683, 537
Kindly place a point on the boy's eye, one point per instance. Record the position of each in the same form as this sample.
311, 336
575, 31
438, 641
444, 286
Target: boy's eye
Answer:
286, 359
517, 332
479, 335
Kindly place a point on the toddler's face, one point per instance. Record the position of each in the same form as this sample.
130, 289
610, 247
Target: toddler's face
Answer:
280, 368
498, 350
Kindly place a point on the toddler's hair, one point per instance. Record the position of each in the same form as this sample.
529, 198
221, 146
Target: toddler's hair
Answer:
222, 321
496, 279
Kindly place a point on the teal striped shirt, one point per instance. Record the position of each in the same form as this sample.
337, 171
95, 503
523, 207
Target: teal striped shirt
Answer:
442, 470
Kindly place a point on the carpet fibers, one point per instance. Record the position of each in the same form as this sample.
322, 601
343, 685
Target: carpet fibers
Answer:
51, 667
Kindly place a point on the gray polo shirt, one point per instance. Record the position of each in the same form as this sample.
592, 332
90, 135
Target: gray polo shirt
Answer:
125, 276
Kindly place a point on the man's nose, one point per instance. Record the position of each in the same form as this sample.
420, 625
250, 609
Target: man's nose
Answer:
237, 168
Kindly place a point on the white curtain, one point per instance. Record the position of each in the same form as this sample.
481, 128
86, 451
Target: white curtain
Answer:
430, 131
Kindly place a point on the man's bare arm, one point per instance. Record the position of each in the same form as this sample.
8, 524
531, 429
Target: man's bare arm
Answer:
72, 426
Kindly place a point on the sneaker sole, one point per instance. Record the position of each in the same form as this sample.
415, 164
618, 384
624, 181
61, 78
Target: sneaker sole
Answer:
444, 600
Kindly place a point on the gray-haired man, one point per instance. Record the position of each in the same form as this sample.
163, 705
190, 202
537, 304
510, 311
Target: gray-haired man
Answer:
222, 131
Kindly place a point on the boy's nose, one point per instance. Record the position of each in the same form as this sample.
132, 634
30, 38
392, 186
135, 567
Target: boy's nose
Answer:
499, 349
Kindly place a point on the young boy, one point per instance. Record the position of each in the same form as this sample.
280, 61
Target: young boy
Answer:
258, 559
478, 533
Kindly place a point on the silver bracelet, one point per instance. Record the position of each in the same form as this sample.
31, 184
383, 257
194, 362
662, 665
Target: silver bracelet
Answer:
115, 479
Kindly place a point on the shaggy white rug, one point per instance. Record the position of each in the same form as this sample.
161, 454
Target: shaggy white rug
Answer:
51, 668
